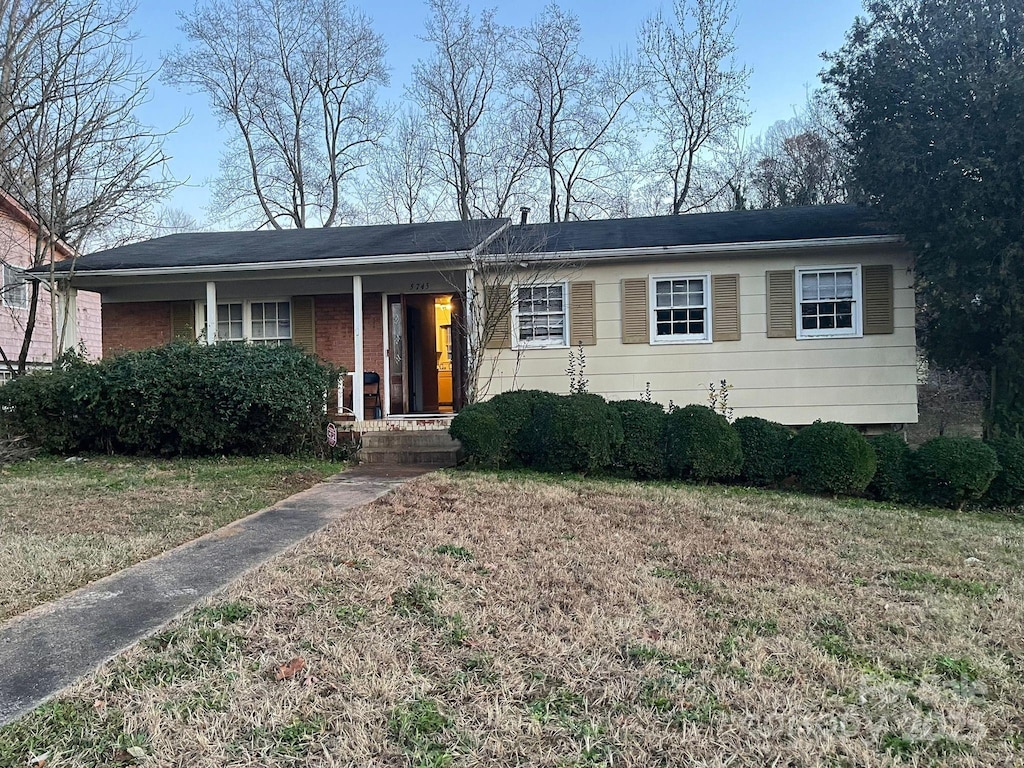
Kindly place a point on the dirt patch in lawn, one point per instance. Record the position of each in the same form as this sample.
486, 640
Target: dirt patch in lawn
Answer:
498, 620
64, 525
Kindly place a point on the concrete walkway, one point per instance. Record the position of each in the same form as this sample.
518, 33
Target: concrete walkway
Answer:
49, 647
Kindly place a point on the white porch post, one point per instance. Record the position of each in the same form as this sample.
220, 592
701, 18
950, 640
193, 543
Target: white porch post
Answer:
386, 373
211, 312
358, 401
66, 332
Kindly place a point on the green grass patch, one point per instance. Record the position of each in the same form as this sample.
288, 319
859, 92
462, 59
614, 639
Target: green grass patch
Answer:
94, 736
421, 729
454, 552
682, 579
920, 580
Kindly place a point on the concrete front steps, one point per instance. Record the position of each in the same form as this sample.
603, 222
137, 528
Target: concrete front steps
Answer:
424, 446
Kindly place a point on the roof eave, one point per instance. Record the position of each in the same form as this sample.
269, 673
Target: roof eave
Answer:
709, 249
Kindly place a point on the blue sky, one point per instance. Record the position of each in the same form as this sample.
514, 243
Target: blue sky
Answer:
780, 40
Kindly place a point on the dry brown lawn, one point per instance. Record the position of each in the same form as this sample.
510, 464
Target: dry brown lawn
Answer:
63, 525
476, 619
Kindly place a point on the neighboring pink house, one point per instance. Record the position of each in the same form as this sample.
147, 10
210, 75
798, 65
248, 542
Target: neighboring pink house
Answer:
16, 244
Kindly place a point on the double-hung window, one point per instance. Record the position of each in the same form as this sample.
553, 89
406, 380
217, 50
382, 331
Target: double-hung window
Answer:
540, 316
256, 322
14, 288
828, 301
681, 309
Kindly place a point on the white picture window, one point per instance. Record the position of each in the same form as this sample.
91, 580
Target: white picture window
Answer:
828, 302
680, 309
14, 288
540, 316
256, 322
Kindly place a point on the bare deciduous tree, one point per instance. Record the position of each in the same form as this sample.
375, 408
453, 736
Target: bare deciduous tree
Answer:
296, 82
456, 89
696, 98
577, 107
400, 176
76, 157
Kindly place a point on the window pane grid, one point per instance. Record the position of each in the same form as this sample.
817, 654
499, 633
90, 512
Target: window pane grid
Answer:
230, 327
827, 301
541, 314
14, 288
269, 322
680, 307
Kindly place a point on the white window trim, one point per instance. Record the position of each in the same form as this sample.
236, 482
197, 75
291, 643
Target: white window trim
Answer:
652, 310
541, 343
857, 331
246, 317
6, 296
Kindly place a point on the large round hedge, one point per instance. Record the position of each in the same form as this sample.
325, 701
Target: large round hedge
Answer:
181, 399
1008, 486
829, 457
571, 433
701, 445
480, 433
892, 461
950, 471
765, 447
642, 454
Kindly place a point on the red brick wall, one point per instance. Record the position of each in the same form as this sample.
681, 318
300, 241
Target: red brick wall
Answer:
138, 325
335, 336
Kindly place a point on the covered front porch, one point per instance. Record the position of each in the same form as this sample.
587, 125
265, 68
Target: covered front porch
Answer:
398, 335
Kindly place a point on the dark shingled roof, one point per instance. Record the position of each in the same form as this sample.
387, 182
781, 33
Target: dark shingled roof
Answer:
281, 246
730, 227
211, 249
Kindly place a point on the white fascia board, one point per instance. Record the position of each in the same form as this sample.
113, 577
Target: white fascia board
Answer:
448, 257
712, 249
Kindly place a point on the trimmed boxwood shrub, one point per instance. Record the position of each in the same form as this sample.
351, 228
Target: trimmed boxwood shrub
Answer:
181, 399
571, 433
642, 454
765, 447
950, 471
892, 462
830, 457
477, 428
1008, 486
513, 410
701, 445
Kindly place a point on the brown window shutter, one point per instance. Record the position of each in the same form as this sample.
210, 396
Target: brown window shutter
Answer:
725, 307
878, 299
497, 317
304, 324
635, 329
183, 320
781, 302
582, 320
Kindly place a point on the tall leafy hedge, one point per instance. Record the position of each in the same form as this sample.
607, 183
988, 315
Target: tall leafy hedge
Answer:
181, 399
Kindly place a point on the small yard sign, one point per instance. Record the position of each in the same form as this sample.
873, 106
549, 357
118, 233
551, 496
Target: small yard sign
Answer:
332, 435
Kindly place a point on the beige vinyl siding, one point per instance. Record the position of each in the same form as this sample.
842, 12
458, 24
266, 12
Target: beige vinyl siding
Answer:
861, 380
